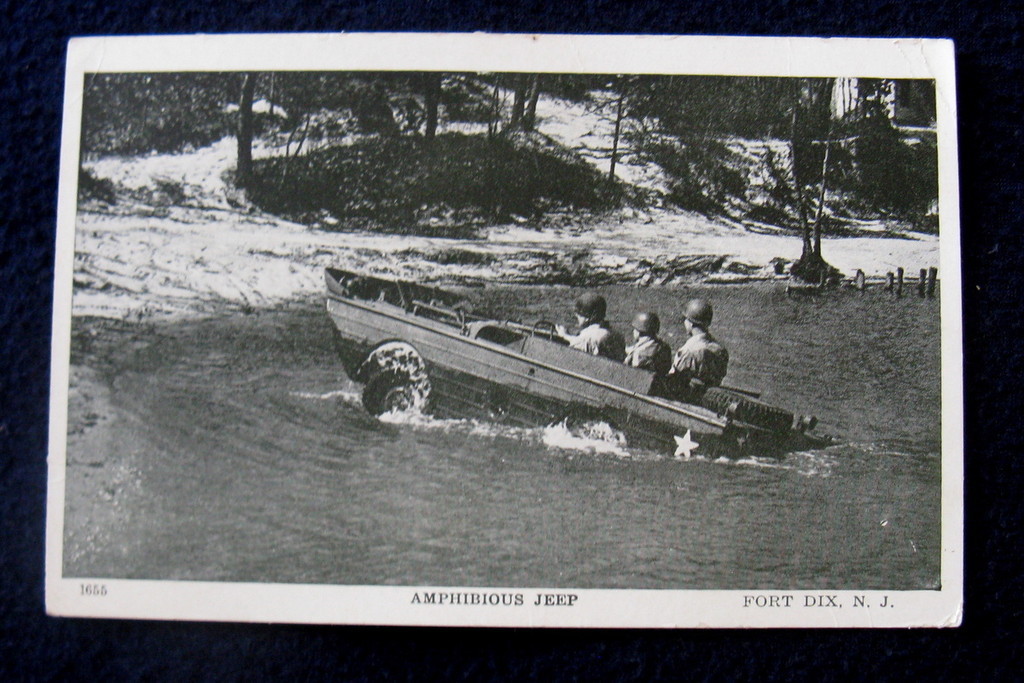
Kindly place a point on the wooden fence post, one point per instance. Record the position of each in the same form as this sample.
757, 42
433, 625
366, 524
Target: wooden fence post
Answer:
899, 282
889, 281
933, 274
921, 282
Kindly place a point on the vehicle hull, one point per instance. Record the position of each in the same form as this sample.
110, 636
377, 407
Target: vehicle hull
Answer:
531, 381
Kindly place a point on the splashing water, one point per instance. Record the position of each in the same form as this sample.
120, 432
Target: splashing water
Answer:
807, 464
590, 437
594, 437
597, 438
339, 394
415, 418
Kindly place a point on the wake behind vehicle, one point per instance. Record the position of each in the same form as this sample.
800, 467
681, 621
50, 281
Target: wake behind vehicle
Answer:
416, 346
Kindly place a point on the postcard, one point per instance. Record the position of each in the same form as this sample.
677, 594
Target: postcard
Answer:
508, 330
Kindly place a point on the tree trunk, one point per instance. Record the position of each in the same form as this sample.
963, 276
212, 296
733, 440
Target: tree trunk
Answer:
821, 194
811, 266
805, 230
270, 97
301, 124
518, 102
530, 117
432, 97
245, 131
492, 125
305, 134
615, 135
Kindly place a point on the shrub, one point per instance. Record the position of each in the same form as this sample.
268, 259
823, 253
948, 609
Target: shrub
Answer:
404, 182
91, 187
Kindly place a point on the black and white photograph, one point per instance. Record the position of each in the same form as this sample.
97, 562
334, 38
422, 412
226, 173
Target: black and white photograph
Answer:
508, 330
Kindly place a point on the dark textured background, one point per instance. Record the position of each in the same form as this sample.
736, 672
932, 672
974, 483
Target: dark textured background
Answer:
989, 81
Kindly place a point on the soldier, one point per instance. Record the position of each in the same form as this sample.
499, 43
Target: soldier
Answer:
595, 336
648, 351
701, 362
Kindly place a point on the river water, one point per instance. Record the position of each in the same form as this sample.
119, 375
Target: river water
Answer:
243, 454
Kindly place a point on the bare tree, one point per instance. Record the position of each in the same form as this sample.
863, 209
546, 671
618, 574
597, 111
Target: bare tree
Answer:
245, 131
431, 98
494, 120
519, 87
530, 116
619, 115
811, 116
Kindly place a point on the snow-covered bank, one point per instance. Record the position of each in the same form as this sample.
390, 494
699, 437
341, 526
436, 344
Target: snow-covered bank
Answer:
186, 261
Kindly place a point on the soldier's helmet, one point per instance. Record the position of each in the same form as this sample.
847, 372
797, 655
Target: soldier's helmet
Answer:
699, 313
591, 306
647, 323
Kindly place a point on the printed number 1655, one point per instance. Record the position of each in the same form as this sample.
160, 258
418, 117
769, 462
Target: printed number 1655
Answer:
93, 589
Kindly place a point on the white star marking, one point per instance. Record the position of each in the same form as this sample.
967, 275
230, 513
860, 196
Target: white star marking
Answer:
685, 445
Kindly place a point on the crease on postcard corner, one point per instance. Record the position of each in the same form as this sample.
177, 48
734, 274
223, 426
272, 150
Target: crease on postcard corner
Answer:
955, 618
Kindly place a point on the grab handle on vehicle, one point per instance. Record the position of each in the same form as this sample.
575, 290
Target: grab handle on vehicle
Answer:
537, 328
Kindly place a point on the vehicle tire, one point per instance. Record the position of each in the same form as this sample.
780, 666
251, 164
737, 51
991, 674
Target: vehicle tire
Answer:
387, 391
746, 409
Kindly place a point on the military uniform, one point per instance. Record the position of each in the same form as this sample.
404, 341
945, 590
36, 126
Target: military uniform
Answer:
599, 340
650, 353
701, 358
